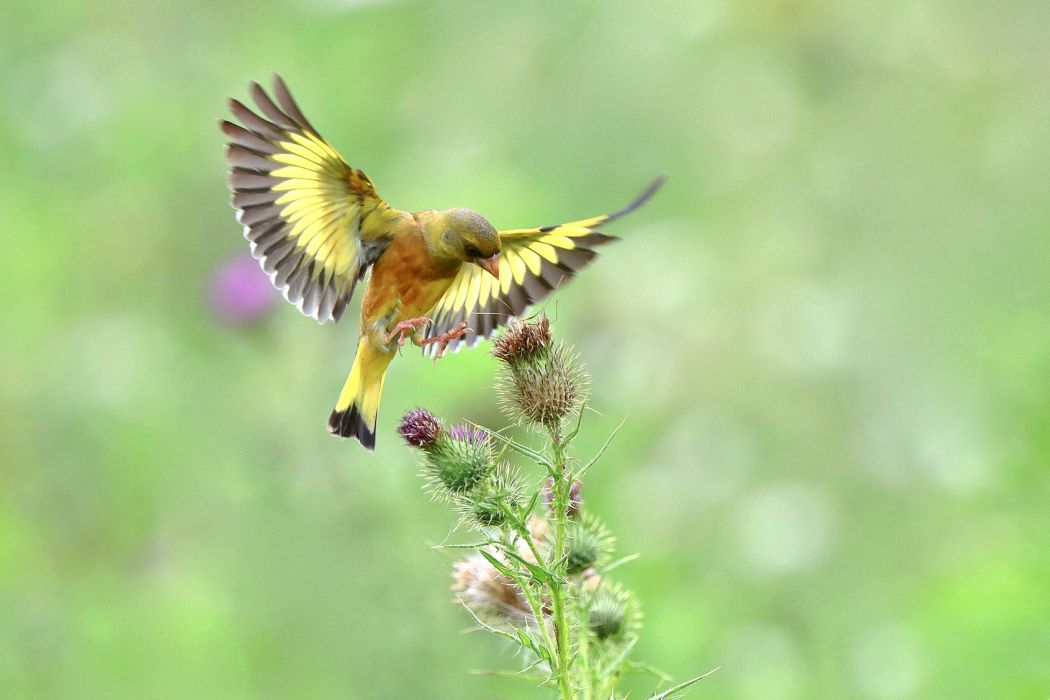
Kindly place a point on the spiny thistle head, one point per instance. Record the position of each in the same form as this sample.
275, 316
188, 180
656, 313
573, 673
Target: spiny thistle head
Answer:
492, 596
495, 498
589, 544
458, 461
612, 613
522, 341
420, 428
542, 382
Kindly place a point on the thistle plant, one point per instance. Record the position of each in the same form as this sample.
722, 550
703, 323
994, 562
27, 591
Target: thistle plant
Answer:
539, 573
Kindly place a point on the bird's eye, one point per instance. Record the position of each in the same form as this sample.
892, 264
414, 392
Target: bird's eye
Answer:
472, 251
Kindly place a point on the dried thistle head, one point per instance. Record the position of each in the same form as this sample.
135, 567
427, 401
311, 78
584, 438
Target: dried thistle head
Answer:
613, 613
544, 390
542, 382
492, 596
420, 428
539, 529
522, 341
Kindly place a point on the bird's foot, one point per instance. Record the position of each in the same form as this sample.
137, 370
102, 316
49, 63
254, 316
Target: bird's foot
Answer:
447, 337
406, 329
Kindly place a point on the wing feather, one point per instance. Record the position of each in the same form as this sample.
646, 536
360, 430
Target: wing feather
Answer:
533, 263
315, 223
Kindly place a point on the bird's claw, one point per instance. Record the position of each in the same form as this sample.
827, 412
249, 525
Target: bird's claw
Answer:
447, 337
406, 329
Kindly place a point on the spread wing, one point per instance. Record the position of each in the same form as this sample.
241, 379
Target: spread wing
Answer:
533, 263
314, 223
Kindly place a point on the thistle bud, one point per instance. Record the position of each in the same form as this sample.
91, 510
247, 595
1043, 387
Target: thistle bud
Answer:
612, 613
420, 428
588, 544
542, 382
458, 461
491, 503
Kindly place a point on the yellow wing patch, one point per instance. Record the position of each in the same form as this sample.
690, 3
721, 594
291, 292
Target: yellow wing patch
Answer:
315, 223
533, 263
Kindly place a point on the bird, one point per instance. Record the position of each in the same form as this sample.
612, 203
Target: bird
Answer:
440, 278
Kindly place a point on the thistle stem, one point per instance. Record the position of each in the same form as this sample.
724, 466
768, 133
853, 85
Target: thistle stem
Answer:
560, 477
535, 603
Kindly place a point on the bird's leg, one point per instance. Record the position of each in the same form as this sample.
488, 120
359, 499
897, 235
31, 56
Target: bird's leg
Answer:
409, 328
447, 337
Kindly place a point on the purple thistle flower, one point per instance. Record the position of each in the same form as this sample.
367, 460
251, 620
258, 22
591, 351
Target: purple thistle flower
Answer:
420, 428
466, 433
240, 291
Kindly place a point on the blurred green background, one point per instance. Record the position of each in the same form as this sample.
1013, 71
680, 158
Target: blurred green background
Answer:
830, 330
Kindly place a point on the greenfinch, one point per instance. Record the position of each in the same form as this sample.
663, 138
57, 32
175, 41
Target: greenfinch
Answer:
439, 278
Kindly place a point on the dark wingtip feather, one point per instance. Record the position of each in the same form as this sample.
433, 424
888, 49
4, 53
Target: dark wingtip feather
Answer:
641, 199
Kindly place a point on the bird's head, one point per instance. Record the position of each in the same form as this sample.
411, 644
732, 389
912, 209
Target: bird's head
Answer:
468, 237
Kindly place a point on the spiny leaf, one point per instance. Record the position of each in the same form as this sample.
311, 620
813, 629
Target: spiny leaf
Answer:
528, 642
579, 474
473, 545
513, 675
500, 566
488, 627
537, 571
517, 447
620, 562
673, 692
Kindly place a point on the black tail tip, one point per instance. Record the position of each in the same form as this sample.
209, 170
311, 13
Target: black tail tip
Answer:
349, 423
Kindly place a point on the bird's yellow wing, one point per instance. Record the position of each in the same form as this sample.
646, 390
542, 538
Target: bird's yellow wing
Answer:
533, 263
315, 223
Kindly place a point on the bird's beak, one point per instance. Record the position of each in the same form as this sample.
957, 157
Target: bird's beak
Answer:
489, 265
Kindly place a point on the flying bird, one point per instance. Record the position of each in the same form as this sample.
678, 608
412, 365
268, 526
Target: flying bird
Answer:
438, 278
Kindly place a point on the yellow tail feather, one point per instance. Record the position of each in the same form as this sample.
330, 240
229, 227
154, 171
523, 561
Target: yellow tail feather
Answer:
357, 409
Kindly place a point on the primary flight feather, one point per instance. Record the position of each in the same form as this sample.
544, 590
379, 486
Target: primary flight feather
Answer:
317, 227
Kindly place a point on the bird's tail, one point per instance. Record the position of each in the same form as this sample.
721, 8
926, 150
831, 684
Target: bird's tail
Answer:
357, 409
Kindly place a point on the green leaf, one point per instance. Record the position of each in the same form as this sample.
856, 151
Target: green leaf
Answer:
516, 446
500, 566
529, 643
620, 562
472, 545
673, 692
579, 421
527, 510
513, 675
487, 627
579, 473
647, 669
538, 572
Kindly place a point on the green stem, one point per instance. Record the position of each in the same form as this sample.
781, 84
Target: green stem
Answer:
589, 680
560, 477
534, 603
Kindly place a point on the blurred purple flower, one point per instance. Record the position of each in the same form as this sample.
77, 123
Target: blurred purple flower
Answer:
241, 293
